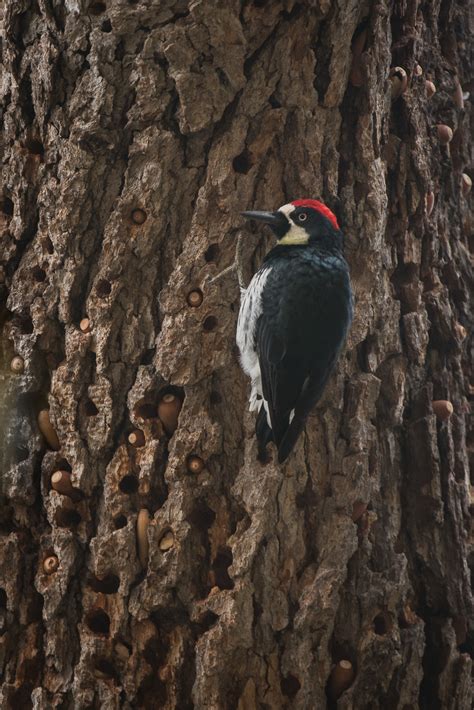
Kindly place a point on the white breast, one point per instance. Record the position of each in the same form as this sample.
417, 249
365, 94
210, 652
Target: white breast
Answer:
250, 311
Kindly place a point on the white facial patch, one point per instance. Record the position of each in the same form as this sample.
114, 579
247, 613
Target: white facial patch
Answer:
296, 234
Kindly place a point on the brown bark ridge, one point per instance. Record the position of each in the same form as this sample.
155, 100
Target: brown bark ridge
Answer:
163, 566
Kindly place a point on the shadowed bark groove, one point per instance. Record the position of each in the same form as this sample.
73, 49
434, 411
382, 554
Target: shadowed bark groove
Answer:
165, 567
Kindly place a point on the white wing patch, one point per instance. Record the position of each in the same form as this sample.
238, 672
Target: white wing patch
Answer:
250, 311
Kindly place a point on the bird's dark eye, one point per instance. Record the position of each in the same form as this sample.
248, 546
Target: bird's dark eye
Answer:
302, 217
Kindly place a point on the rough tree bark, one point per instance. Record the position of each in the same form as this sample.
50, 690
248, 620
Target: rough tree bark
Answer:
133, 134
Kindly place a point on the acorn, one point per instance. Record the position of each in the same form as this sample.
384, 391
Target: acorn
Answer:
399, 79
194, 298
143, 520
61, 482
85, 325
194, 464
443, 409
341, 678
458, 96
430, 89
445, 133
358, 510
429, 203
466, 184
17, 365
46, 428
138, 216
460, 331
166, 542
50, 564
136, 438
169, 408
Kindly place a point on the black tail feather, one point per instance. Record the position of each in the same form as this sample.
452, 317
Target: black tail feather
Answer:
290, 438
264, 434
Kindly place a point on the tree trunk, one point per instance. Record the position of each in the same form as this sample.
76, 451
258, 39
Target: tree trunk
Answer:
133, 134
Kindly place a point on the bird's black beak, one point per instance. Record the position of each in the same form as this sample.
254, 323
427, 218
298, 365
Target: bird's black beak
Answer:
276, 220
273, 218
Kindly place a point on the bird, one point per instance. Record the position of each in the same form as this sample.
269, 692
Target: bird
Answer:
293, 320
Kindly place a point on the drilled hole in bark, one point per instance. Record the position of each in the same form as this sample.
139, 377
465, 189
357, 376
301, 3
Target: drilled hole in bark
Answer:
382, 624
129, 484
38, 273
106, 26
25, 324
209, 324
6, 205
3, 599
215, 397
48, 245
35, 146
62, 465
105, 585
273, 101
146, 410
90, 408
290, 685
202, 516
220, 566
212, 253
97, 8
98, 621
67, 518
242, 162
120, 521
207, 621
104, 667
103, 288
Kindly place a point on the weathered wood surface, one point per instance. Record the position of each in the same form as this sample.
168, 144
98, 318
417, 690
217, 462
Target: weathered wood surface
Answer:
133, 134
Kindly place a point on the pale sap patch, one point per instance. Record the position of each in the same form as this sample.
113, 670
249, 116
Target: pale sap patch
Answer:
296, 234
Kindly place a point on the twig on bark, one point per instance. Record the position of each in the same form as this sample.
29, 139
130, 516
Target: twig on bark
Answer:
236, 266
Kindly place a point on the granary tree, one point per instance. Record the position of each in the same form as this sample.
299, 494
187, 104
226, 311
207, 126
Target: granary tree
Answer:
147, 559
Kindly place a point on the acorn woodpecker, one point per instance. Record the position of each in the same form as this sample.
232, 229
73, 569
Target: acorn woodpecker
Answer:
293, 320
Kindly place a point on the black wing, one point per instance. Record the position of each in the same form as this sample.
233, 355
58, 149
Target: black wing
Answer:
291, 382
297, 349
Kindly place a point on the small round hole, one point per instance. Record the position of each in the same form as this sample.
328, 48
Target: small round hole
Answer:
90, 408
104, 669
98, 621
242, 162
35, 146
38, 273
209, 324
212, 253
48, 245
6, 205
106, 26
129, 484
67, 518
382, 624
3, 599
120, 521
103, 288
104, 585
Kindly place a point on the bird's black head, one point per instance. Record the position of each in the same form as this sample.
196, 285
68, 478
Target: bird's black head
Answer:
302, 222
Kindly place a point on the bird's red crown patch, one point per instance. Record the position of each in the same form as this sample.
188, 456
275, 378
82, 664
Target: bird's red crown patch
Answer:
320, 207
